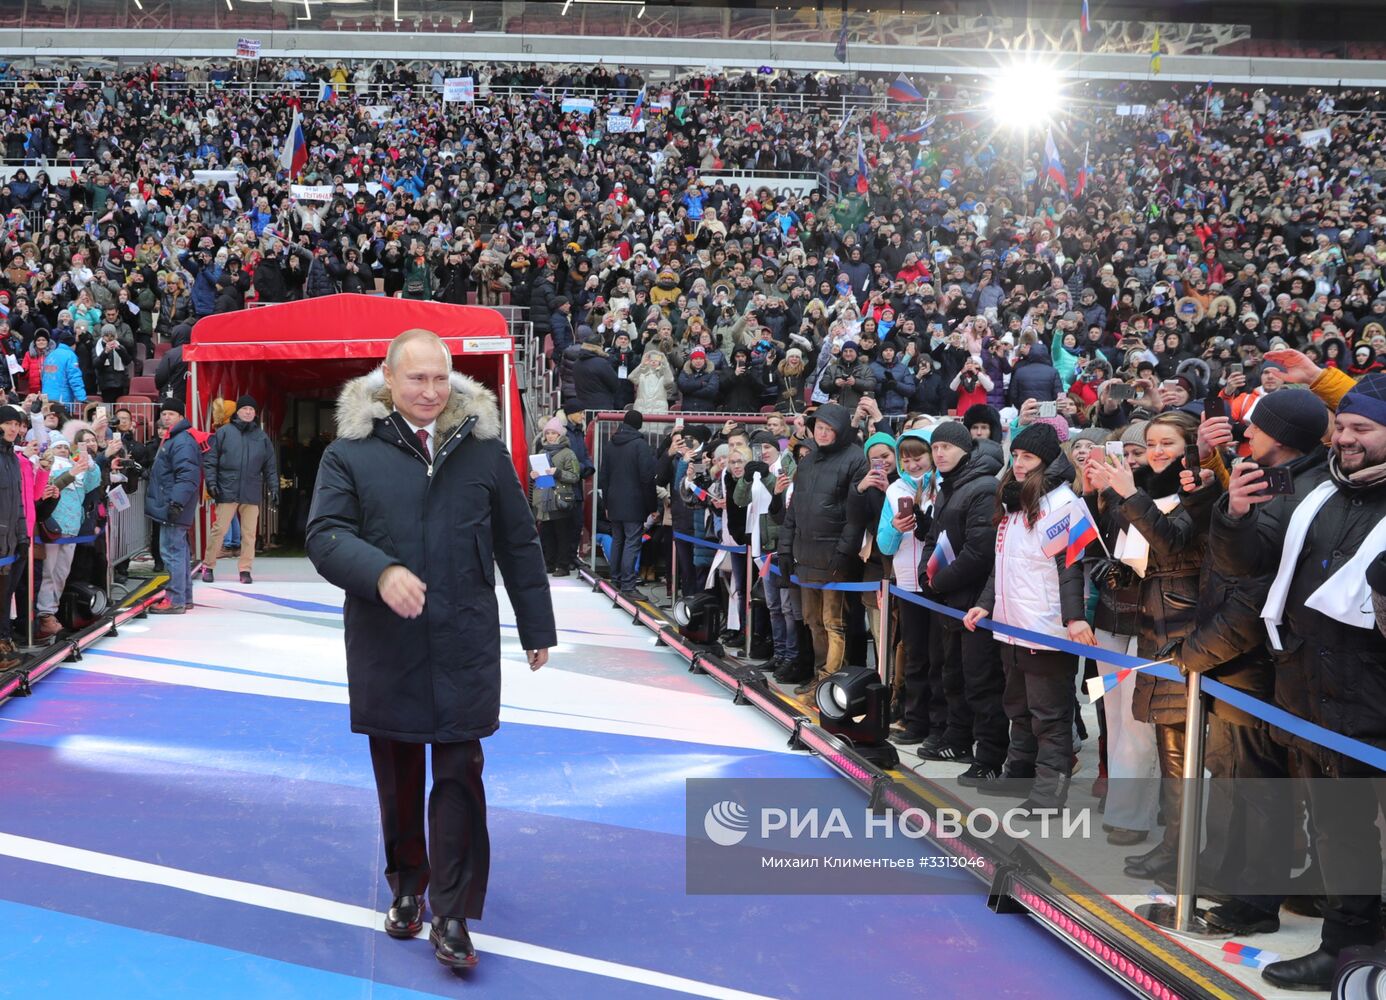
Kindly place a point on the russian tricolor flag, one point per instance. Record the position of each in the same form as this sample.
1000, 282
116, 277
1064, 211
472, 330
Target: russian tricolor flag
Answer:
698, 491
942, 556
1081, 533
1081, 184
917, 133
903, 90
295, 155
327, 92
638, 110
1083, 21
1053, 166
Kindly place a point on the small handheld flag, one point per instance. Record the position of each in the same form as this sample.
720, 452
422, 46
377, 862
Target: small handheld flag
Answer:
942, 556
1081, 533
1099, 686
840, 49
639, 109
1053, 166
1244, 954
1082, 181
863, 181
1084, 24
903, 90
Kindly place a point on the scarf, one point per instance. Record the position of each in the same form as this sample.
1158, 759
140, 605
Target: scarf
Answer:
1345, 596
1131, 547
1010, 496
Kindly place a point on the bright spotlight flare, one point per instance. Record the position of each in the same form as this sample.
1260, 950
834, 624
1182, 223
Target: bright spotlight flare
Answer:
1024, 95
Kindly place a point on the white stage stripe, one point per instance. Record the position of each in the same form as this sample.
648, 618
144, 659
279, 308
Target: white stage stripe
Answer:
113, 866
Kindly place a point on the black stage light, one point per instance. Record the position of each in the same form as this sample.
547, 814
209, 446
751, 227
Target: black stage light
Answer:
81, 605
699, 617
854, 704
1361, 975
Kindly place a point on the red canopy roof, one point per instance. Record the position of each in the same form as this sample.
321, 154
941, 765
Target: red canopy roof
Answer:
340, 327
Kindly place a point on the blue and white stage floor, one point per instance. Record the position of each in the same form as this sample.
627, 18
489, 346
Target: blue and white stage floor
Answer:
185, 813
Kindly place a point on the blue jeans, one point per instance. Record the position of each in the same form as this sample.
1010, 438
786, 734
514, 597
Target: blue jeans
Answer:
174, 546
625, 552
783, 628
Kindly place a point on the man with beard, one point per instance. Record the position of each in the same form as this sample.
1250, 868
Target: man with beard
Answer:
1329, 654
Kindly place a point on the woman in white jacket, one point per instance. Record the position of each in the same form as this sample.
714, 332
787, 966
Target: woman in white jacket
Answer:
654, 382
1032, 590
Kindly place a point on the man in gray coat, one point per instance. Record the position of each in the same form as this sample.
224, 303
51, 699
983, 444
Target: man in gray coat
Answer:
239, 467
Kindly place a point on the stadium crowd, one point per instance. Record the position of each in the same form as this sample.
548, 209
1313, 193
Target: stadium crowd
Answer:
901, 369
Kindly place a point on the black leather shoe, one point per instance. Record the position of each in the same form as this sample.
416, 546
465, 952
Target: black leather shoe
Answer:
452, 945
405, 917
1312, 972
1161, 861
1240, 919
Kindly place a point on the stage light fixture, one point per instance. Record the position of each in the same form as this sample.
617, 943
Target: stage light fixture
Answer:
1024, 95
853, 703
1362, 976
699, 618
82, 604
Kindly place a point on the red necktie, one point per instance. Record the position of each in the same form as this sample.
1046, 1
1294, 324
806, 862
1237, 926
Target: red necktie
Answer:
422, 435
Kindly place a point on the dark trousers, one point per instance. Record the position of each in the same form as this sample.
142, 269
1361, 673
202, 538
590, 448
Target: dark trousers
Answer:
1342, 817
1250, 813
454, 862
690, 581
556, 537
974, 682
913, 665
1169, 747
1039, 703
15, 574
949, 717
625, 552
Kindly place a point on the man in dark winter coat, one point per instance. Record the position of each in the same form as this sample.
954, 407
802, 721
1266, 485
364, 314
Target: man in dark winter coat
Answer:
561, 325
416, 502
819, 541
894, 381
239, 466
975, 729
175, 485
542, 302
14, 525
1035, 377
594, 380
171, 377
1328, 652
928, 387
627, 485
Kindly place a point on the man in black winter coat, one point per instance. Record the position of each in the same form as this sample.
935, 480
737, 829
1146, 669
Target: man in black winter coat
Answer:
595, 384
416, 503
238, 467
14, 527
171, 377
627, 485
975, 730
1328, 652
819, 539
561, 325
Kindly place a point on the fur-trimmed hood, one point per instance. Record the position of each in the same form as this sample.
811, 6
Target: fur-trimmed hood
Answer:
365, 400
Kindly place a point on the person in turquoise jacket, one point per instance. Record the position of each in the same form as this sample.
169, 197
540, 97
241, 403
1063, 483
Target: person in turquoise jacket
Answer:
74, 480
62, 375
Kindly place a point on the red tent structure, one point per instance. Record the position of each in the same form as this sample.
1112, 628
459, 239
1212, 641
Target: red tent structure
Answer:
310, 348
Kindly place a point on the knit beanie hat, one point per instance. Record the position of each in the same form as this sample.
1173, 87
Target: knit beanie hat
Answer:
1367, 399
1294, 417
758, 438
954, 433
247, 400
172, 405
8, 413
633, 419
556, 425
1040, 440
1134, 433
